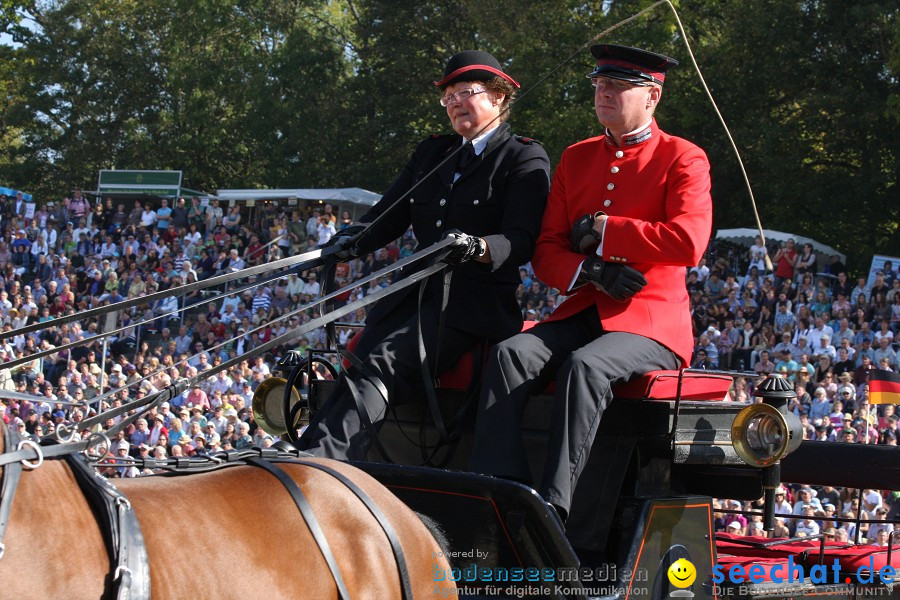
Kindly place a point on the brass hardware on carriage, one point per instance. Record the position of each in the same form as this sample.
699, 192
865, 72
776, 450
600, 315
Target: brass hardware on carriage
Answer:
268, 402
280, 399
760, 434
765, 433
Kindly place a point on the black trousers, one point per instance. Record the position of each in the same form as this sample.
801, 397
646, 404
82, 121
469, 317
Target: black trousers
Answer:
586, 362
390, 350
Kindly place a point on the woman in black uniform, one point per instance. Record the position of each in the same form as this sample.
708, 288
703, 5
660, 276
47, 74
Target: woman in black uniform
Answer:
495, 192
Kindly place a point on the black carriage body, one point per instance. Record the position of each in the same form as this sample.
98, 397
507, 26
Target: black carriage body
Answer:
658, 462
650, 481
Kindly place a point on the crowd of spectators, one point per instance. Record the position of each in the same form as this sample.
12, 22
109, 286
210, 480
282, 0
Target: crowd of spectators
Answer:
821, 328
66, 257
804, 511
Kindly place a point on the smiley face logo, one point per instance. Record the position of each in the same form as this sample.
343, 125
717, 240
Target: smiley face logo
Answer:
682, 573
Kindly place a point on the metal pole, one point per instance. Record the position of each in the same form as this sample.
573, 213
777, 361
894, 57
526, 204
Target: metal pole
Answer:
102, 374
137, 342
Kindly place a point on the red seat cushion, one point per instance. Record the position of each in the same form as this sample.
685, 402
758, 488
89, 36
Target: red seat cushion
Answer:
663, 385
725, 545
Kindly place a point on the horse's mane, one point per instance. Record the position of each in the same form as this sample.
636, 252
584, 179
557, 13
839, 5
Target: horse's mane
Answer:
437, 532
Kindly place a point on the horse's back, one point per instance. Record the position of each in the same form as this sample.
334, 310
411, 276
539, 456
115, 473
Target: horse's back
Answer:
237, 532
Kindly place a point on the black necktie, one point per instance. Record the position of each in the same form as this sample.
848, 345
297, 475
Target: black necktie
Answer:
466, 156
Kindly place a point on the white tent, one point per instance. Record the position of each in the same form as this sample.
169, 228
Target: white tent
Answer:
356, 196
745, 235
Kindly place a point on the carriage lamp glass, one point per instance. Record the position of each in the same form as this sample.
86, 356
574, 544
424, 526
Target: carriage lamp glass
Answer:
761, 435
267, 406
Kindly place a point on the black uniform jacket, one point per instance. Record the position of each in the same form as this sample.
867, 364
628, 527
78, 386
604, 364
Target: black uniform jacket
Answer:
500, 196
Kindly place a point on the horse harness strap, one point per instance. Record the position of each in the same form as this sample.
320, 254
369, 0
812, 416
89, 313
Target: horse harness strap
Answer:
311, 522
11, 476
131, 576
283, 453
396, 546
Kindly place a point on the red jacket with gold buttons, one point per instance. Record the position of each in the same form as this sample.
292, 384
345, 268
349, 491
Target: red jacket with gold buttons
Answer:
656, 190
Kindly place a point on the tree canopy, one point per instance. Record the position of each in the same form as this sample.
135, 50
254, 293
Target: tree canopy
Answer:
325, 93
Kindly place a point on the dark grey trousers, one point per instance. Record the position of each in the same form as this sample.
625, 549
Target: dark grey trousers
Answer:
586, 362
390, 350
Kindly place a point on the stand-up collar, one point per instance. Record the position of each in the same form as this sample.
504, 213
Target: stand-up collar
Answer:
632, 138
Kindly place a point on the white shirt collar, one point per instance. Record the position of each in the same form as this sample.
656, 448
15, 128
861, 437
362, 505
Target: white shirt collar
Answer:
481, 142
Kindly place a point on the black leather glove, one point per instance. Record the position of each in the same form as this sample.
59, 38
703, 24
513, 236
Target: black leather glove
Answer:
583, 235
465, 248
344, 239
619, 281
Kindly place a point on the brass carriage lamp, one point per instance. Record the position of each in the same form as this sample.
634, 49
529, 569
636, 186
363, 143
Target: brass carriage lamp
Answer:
764, 433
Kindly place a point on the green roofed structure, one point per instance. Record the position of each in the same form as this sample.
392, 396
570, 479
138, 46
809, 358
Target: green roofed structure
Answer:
159, 184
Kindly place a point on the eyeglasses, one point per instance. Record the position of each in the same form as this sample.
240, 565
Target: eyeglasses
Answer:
460, 96
615, 85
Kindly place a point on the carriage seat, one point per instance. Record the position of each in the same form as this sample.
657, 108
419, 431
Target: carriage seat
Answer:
655, 385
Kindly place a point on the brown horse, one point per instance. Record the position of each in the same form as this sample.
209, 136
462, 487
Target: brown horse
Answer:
230, 533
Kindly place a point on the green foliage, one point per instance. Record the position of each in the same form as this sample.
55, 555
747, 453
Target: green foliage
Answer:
804, 87
11, 12
311, 93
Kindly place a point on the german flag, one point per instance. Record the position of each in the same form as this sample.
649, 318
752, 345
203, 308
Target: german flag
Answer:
884, 387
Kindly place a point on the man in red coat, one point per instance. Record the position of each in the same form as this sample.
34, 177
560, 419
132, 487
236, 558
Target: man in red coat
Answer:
628, 212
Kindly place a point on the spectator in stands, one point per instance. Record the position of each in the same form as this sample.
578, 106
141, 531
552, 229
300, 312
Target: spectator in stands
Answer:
821, 406
808, 525
784, 344
879, 528
714, 287
807, 498
701, 271
727, 344
710, 350
782, 506
862, 290
785, 260
787, 365
885, 354
806, 261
